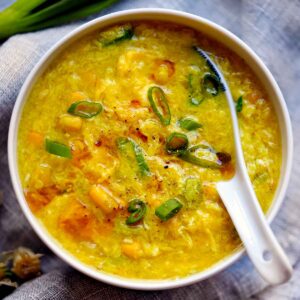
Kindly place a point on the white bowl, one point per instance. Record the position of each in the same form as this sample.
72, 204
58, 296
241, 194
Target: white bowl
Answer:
215, 32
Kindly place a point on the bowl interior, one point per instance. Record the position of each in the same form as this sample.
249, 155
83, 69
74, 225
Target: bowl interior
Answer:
211, 30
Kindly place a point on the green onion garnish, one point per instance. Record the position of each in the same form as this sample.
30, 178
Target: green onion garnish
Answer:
239, 104
211, 84
189, 124
168, 209
192, 190
193, 156
194, 82
132, 150
116, 34
138, 209
159, 104
176, 143
199, 161
85, 109
58, 149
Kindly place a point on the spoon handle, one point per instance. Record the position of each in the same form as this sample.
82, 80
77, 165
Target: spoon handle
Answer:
253, 229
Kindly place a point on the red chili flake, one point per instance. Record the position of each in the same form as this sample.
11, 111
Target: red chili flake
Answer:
224, 157
143, 137
98, 143
135, 103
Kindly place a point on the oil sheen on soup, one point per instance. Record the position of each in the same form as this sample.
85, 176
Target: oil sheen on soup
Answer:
123, 139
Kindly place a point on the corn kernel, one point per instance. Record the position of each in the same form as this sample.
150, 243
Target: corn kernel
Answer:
70, 123
102, 199
133, 250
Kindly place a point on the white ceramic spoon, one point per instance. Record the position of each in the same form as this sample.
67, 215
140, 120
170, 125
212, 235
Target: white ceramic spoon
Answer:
243, 207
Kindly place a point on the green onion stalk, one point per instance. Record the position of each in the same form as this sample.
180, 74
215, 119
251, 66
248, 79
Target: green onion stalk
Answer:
32, 15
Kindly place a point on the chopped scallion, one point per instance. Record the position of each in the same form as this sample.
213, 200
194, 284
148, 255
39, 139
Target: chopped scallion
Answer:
168, 209
194, 83
159, 104
58, 149
176, 143
85, 109
189, 124
211, 84
132, 150
116, 34
199, 161
239, 104
137, 208
194, 155
192, 190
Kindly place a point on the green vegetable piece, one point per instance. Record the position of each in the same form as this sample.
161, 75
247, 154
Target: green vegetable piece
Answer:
132, 150
116, 35
58, 149
194, 83
85, 109
141, 161
189, 124
192, 156
138, 209
201, 162
159, 104
192, 190
202, 146
168, 209
176, 143
239, 104
211, 84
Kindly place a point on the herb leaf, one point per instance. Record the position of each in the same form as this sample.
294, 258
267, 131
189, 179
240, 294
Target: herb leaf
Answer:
239, 104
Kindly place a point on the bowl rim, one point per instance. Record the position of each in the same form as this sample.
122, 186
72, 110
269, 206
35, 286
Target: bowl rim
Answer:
137, 14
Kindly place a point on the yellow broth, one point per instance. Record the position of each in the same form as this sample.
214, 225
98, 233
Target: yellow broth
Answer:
83, 201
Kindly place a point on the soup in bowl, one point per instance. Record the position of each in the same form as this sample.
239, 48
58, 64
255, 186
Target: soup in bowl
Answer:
122, 139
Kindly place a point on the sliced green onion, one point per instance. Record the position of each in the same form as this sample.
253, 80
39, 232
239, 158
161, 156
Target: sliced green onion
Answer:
138, 209
141, 160
116, 34
132, 150
168, 209
85, 109
194, 82
202, 146
58, 149
211, 84
201, 162
189, 124
159, 104
191, 156
192, 190
176, 143
239, 104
